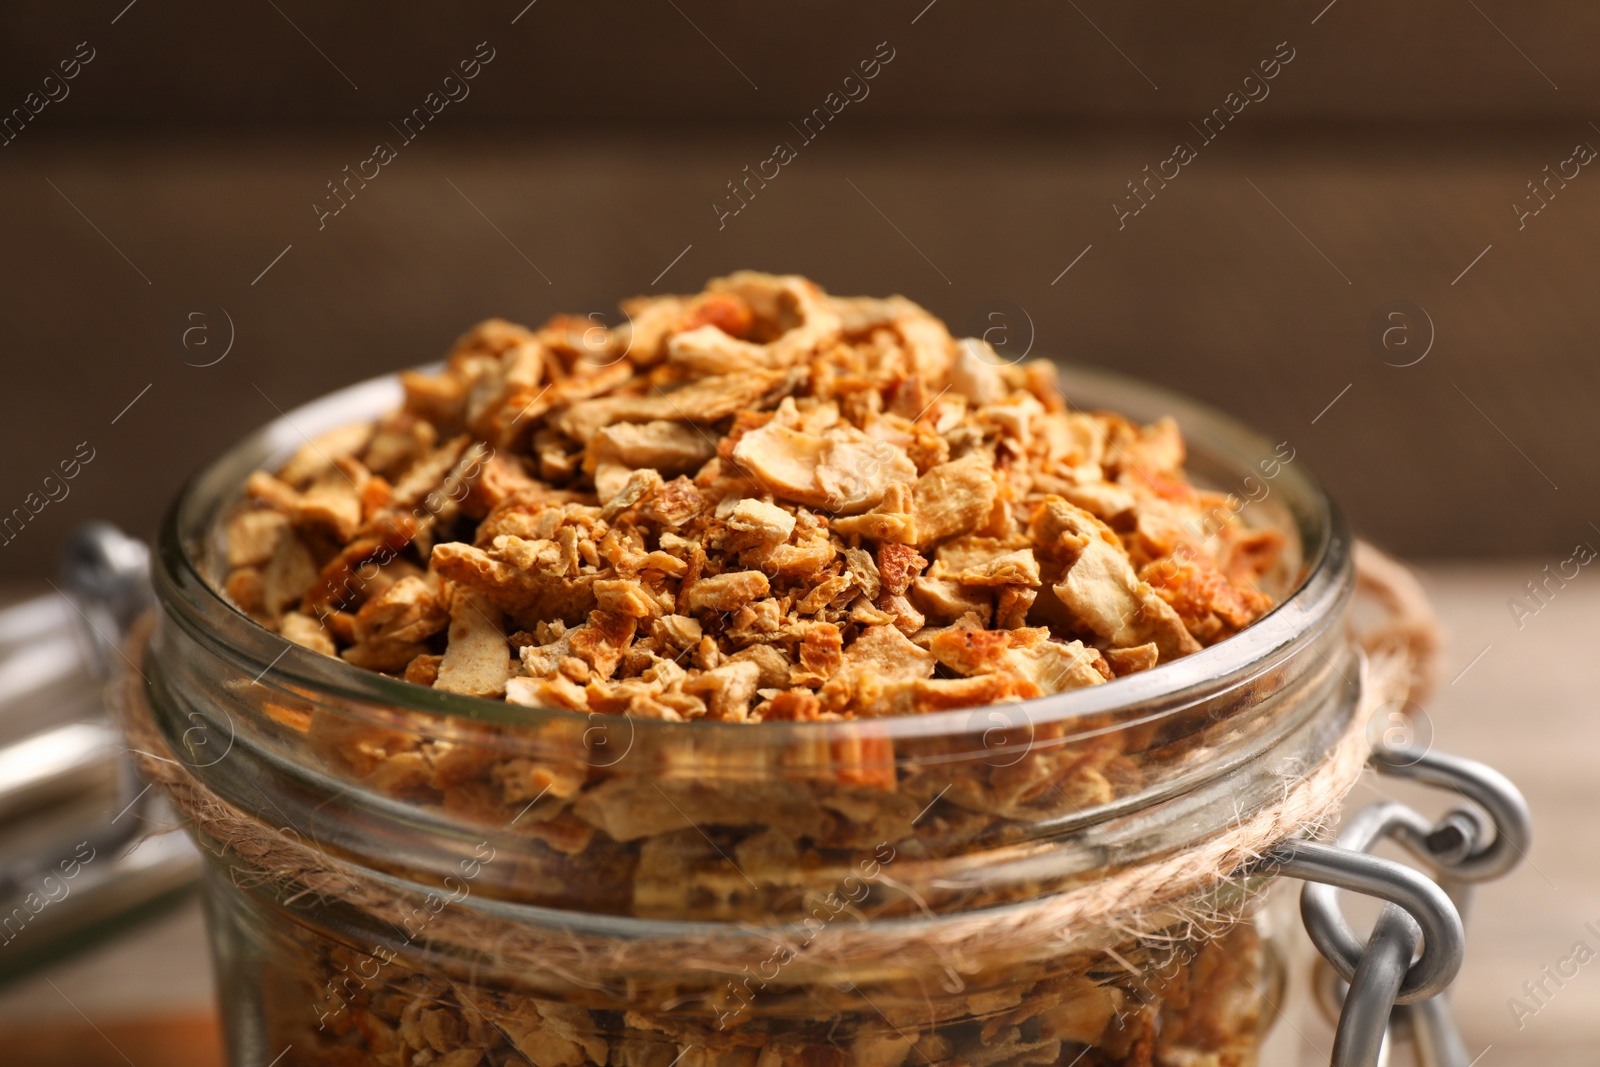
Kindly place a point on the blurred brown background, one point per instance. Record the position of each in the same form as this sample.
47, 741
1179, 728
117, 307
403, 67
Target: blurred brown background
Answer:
986, 158
1294, 274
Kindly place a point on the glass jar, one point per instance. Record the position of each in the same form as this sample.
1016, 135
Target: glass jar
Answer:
408, 876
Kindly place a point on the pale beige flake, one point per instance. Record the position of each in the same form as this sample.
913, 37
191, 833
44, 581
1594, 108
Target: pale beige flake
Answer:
557, 692
426, 474
789, 301
728, 689
641, 335
863, 571
724, 592
274, 492
943, 600
1056, 667
927, 343
307, 632
289, 575
886, 653
823, 594
333, 500
985, 561
975, 373
705, 400
318, 455
1154, 449
634, 489
629, 597
774, 666
477, 660
841, 470
1131, 660
609, 479
767, 521
678, 631
1017, 418
1101, 590
954, 498
1012, 606
544, 659
864, 314
391, 626
706, 350
668, 447
1105, 500
245, 588
755, 621
907, 619
252, 535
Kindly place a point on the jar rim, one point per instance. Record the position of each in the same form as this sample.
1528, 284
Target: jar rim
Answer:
187, 543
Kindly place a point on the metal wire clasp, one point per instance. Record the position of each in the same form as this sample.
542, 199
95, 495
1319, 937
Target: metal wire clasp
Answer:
1394, 994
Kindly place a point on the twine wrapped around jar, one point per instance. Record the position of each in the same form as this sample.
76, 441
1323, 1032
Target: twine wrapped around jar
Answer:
1401, 645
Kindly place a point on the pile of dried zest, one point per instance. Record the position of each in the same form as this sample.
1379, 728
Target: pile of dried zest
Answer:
757, 503
1190, 1002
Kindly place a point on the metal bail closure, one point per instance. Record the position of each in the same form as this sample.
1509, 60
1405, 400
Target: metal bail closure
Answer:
1393, 994
1329, 868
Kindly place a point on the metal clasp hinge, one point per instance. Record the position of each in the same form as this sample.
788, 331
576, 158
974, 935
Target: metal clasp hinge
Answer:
1382, 992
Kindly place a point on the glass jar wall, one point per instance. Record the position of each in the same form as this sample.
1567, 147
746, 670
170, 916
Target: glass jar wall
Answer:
407, 876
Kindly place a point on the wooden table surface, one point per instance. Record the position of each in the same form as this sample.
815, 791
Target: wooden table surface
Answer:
1522, 699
